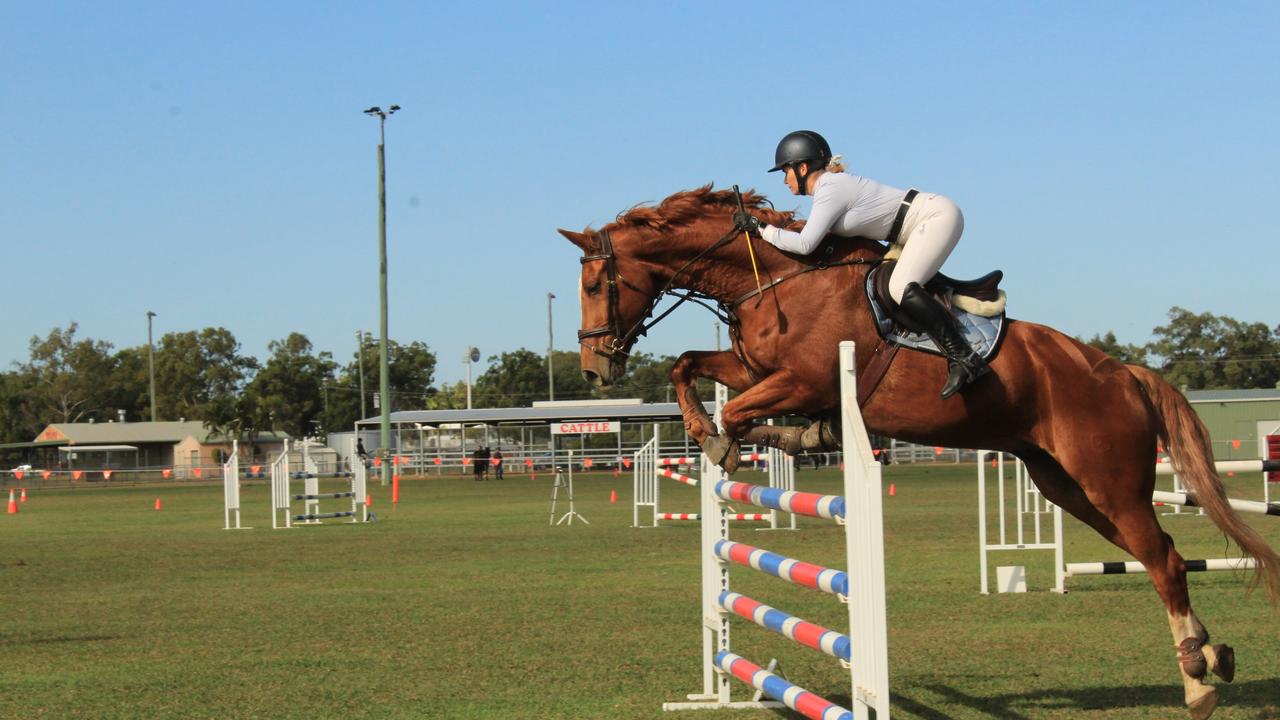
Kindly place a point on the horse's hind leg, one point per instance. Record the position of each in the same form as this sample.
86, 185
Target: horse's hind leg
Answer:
1122, 513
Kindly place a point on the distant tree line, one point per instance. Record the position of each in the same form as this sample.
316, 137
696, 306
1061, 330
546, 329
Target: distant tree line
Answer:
204, 375
1204, 352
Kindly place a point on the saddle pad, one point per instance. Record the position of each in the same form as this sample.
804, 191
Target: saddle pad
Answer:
982, 333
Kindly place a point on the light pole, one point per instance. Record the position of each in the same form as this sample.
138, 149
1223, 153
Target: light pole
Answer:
383, 374
473, 355
551, 374
717, 336
151, 365
360, 360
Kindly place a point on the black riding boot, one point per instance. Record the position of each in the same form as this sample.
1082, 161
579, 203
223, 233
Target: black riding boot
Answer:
963, 364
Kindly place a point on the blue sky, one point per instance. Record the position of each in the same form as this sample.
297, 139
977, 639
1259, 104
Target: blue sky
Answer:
212, 163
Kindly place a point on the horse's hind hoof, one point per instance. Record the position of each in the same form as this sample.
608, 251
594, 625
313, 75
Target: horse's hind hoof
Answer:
722, 451
1224, 662
1202, 707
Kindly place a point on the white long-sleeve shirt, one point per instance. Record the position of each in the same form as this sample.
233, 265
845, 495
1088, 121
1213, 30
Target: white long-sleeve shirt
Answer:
844, 204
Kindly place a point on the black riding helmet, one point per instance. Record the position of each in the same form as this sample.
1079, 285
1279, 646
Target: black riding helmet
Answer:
800, 146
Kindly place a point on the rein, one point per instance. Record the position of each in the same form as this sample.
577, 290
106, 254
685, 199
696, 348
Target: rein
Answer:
723, 312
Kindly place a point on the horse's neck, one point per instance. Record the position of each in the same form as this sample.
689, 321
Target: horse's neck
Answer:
725, 274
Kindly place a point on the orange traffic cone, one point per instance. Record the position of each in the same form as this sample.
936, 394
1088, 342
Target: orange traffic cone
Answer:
893, 489
613, 496
23, 496
157, 503
13, 504
368, 501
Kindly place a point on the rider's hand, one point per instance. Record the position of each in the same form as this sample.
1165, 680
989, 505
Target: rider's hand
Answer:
745, 221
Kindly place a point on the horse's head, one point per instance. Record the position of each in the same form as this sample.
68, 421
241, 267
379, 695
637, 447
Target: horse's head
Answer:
617, 292
628, 264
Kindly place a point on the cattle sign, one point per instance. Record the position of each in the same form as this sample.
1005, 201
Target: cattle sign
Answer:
585, 428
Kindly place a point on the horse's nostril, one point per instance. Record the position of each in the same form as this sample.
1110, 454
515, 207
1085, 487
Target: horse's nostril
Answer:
591, 376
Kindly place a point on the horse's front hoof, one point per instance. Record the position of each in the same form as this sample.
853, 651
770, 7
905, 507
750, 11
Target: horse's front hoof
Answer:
1224, 662
1202, 707
723, 452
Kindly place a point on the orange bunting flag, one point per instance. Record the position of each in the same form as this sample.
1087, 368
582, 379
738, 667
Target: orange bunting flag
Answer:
45, 474
377, 462
626, 463
198, 471
875, 451
166, 473
528, 462
495, 461
437, 461
255, 469
937, 450
466, 461
586, 462
75, 474
17, 474
1235, 444
106, 474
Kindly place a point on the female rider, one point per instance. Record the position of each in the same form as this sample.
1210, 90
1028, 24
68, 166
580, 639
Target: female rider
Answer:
849, 205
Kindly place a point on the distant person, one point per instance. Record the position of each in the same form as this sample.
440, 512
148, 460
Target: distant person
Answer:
485, 455
361, 452
497, 464
477, 463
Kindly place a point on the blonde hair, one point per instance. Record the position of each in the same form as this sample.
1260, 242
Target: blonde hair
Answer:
836, 164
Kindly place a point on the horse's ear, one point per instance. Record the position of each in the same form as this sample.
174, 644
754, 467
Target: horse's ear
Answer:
579, 239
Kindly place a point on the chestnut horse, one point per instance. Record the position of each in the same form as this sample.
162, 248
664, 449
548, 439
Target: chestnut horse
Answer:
1086, 425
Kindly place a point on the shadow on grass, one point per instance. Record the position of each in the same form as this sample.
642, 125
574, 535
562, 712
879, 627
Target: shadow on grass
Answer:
1262, 695
59, 639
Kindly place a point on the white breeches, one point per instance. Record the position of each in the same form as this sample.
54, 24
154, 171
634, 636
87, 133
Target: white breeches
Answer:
930, 232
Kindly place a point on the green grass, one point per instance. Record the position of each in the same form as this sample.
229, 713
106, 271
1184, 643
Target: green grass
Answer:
464, 603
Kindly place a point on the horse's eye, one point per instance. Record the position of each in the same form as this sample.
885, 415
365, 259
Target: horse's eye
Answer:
593, 289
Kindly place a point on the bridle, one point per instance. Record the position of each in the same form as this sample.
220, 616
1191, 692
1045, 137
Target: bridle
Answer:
621, 343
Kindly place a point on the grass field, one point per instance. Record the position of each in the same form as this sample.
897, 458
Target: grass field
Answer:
464, 603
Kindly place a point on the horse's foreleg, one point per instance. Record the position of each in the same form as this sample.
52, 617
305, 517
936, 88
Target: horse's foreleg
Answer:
720, 366
779, 394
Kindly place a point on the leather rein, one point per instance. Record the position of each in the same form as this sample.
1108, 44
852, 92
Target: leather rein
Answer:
621, 342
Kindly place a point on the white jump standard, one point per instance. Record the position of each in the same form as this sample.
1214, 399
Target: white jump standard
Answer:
231, 489
1028, 501
864, 651
648, 469
282, 499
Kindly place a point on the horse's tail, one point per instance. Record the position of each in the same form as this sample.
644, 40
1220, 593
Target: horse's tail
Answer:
1187, 441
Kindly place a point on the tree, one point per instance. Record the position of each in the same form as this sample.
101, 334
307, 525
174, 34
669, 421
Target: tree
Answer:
410, 374
14, 426
290, 387
1128, 354
1205, 351
195, 369
66, 378
513, 379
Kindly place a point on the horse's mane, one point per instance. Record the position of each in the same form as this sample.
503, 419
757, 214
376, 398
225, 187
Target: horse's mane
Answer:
686, 206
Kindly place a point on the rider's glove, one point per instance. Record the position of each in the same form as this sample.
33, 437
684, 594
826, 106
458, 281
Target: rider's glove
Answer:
744, 221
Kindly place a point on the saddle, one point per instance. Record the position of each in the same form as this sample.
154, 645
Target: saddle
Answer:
978, 306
